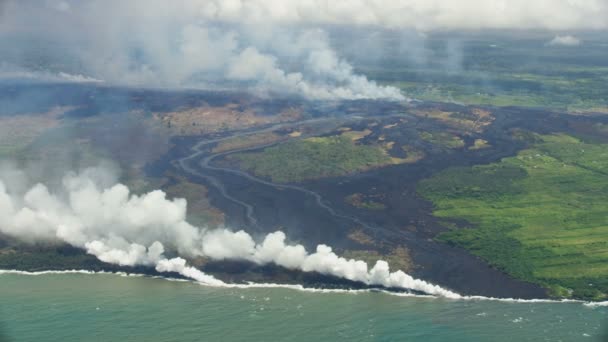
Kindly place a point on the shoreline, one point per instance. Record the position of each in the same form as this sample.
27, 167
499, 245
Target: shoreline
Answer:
303, 288
320, 208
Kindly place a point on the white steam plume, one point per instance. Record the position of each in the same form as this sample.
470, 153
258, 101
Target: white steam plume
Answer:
268, 46
125, 229
178, 44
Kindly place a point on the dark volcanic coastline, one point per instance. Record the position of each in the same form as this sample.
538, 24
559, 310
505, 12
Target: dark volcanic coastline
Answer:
304, 222
406, 221
66, 258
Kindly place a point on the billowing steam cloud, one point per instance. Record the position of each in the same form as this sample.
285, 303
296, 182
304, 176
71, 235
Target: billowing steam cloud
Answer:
178, 44
125, 229
270, 46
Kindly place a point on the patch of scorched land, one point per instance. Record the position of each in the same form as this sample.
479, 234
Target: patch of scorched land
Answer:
209, 119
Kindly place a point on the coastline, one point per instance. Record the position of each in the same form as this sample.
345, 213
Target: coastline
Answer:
301, 287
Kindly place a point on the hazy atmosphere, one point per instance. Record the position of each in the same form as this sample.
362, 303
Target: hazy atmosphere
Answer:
267, 46
441, 163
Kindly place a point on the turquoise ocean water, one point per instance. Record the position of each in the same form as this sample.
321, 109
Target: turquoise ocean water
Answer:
105, 307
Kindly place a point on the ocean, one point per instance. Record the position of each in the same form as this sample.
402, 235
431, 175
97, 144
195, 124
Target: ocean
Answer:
110, 307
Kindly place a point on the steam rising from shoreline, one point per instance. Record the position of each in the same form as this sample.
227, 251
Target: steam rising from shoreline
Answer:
125, 229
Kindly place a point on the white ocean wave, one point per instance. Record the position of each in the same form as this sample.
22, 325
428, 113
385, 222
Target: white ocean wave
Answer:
299, 287
596, 304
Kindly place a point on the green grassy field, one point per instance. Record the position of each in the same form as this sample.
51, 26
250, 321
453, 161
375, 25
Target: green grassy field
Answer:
541, 216
313, 158
443, 139
42, 258
510, 69
569, 92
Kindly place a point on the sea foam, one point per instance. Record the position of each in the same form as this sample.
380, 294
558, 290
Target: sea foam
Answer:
299, 287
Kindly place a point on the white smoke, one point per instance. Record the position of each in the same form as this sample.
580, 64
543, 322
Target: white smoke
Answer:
125, 229
565, 41
267, 46
179, 44
11, 73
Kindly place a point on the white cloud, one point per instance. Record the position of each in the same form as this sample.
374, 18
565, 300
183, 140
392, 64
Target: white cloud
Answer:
422, 14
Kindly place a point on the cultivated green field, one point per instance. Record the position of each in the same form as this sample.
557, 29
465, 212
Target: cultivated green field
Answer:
313, 158
541, 216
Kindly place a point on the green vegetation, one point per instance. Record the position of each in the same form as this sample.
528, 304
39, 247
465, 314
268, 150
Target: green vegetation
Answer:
442, 139
356, 135
540, 216
399, 258
412, 155
510, 69
555, 95
479, 144
472, 120
246, 141
32, 258
312, 158
359, 201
